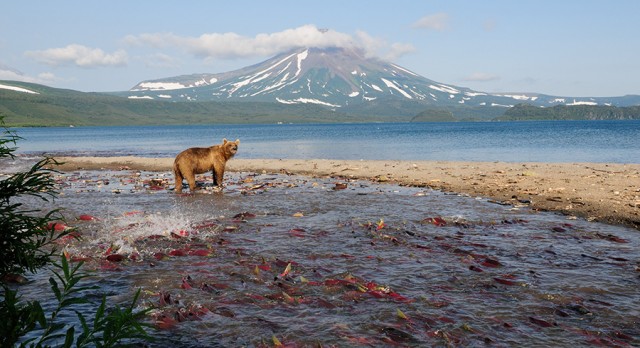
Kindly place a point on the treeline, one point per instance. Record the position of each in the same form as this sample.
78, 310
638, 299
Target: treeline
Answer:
527, 112
61, 107
54, 107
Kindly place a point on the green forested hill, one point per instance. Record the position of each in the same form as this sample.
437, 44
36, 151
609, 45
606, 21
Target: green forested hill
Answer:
58, 107
525, 112
61, 107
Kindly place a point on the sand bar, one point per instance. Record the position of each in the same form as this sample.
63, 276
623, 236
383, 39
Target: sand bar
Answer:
601, 192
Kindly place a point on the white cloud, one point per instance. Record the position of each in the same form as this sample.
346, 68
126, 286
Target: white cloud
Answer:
160, 60
8, 73
438, 21
79, 55
399, 49
232, 45
481, 77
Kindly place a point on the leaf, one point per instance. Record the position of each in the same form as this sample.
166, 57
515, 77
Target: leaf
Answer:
73, 301
36, 313
276, 341
69, 338
55, 289
83, 322
100, 312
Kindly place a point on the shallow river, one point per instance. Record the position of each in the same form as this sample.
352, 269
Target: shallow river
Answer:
332, 262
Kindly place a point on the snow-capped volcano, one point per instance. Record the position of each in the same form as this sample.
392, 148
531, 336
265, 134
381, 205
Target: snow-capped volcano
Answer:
334, 77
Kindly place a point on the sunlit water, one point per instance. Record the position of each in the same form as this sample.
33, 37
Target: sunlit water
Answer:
547, 141
369, 265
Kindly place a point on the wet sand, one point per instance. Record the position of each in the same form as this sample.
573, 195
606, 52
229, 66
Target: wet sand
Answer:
600, 192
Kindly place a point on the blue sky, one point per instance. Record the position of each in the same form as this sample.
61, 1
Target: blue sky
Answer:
563, 48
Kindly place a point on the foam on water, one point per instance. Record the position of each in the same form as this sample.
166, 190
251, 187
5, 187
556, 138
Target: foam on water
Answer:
293, 258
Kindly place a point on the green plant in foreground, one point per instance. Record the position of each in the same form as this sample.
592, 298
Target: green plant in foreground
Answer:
26, 245
24, 235
107, 329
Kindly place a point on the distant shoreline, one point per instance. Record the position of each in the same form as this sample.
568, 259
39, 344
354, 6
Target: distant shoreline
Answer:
602, 192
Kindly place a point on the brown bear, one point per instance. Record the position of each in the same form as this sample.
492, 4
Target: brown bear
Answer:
198, 160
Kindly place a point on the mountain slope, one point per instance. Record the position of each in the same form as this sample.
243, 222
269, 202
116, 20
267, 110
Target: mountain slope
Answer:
339, 78
28, 104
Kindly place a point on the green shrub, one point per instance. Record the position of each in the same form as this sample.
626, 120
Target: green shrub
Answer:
27, 239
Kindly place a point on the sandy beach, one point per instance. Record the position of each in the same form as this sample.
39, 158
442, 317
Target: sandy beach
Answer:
600, 192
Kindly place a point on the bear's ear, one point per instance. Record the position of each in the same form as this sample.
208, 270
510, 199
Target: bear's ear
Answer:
237, 141
224, 141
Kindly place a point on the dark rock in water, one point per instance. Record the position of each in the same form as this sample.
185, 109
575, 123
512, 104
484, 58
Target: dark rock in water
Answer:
397, 335
14, 279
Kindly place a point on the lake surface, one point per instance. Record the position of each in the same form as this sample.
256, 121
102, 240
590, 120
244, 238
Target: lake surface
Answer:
548, 141
311, 263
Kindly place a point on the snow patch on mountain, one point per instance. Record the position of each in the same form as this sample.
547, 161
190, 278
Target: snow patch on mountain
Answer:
159, 86
306, 101
396, 87
17, 89
301, 57
576, 102
405, 70
444, 89
517, 97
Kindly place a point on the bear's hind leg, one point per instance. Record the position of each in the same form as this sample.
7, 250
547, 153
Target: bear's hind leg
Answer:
178, 182
191, 179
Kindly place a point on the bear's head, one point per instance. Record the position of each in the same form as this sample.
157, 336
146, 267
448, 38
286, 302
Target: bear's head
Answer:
230, 147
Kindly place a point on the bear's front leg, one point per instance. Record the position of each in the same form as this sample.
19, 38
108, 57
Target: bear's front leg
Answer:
217, 178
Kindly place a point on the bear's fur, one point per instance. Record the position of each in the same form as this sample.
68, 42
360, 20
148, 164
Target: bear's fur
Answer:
198, 160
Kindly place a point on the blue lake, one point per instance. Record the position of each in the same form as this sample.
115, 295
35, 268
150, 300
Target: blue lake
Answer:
544, 141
